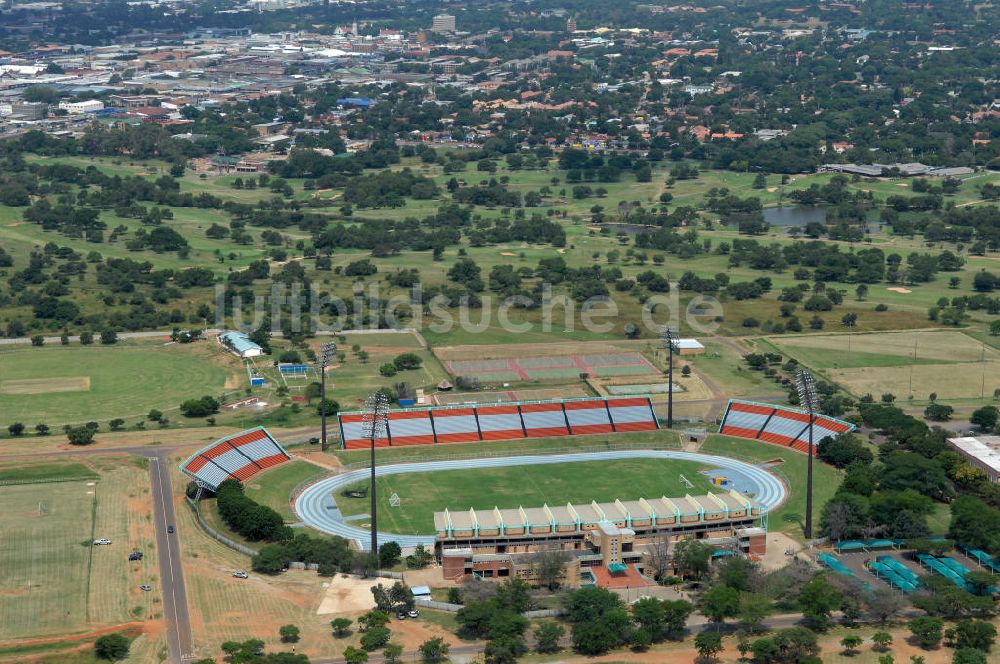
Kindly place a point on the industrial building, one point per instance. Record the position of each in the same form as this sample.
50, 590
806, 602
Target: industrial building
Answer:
983, 452
600, 540
239, 344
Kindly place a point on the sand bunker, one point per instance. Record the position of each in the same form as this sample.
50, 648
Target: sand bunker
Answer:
897, 289
507, 253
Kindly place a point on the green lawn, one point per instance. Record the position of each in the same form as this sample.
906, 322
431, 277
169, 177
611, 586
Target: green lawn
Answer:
49, 472
790, 516
58, 385
422, 494
274, 487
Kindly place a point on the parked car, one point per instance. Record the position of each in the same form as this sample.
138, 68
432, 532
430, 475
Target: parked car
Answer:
413, 613
145, 587
170, 529
102, 541
400, 615
135, 555
313, 441
241, 575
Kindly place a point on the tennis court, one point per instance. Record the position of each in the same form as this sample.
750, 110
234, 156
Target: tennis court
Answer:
554, 367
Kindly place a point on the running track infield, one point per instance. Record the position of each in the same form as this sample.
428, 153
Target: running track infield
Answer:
317, 508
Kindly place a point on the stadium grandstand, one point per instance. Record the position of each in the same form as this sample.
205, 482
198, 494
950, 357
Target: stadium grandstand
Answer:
535, 419
240, 457
779, 425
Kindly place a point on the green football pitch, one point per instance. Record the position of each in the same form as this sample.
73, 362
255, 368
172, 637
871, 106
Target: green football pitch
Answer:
422, 494
64, 385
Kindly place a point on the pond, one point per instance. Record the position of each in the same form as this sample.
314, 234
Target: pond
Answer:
794, 216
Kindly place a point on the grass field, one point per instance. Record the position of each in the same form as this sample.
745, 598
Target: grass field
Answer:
16, 473
422, 494
949, 363
790, 516
124, 380
53, 581
274, 487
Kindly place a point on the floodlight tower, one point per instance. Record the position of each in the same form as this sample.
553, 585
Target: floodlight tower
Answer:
669, 337
375, 426
806, 386
326, 354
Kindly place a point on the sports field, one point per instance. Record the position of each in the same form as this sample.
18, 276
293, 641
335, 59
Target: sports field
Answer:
422, 494
63, 385
549, 367
53, 581
948, 362
500, 396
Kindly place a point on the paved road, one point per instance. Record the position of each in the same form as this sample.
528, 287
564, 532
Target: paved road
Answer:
175, 607
316, 505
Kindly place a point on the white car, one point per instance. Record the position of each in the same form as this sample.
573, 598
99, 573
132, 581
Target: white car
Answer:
241, 575
102, 541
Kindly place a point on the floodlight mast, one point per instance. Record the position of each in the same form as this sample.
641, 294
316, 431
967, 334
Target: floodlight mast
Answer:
375, 424
326, 355
805, 384
669, 337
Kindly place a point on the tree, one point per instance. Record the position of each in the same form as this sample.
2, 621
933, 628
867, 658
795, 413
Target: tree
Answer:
354, 655
691, 558
341, 627
851, 643
978, 634
927, 630
433, 650
375, 638
818, 599
985, 417
38, 340
754, 608
389, 554
288, 633
787, 646
109, 337
42, 429
547, 637
392, 653
549, 567
80, 436
373, 619
708, 644
16, 429
882, 640
969, 656
720, 602
116, 424
938, 412
112, 646
504, 650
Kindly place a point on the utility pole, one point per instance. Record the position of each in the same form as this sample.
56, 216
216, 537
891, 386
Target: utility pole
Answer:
375, 425
326, 353
669, 336
806, 386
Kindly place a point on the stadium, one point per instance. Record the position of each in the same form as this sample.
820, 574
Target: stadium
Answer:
607, 538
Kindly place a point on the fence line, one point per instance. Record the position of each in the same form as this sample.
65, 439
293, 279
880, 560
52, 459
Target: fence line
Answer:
211, 532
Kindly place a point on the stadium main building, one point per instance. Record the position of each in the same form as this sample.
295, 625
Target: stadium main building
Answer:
601, 541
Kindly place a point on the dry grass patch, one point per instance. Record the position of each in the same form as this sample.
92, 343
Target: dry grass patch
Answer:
45, 385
